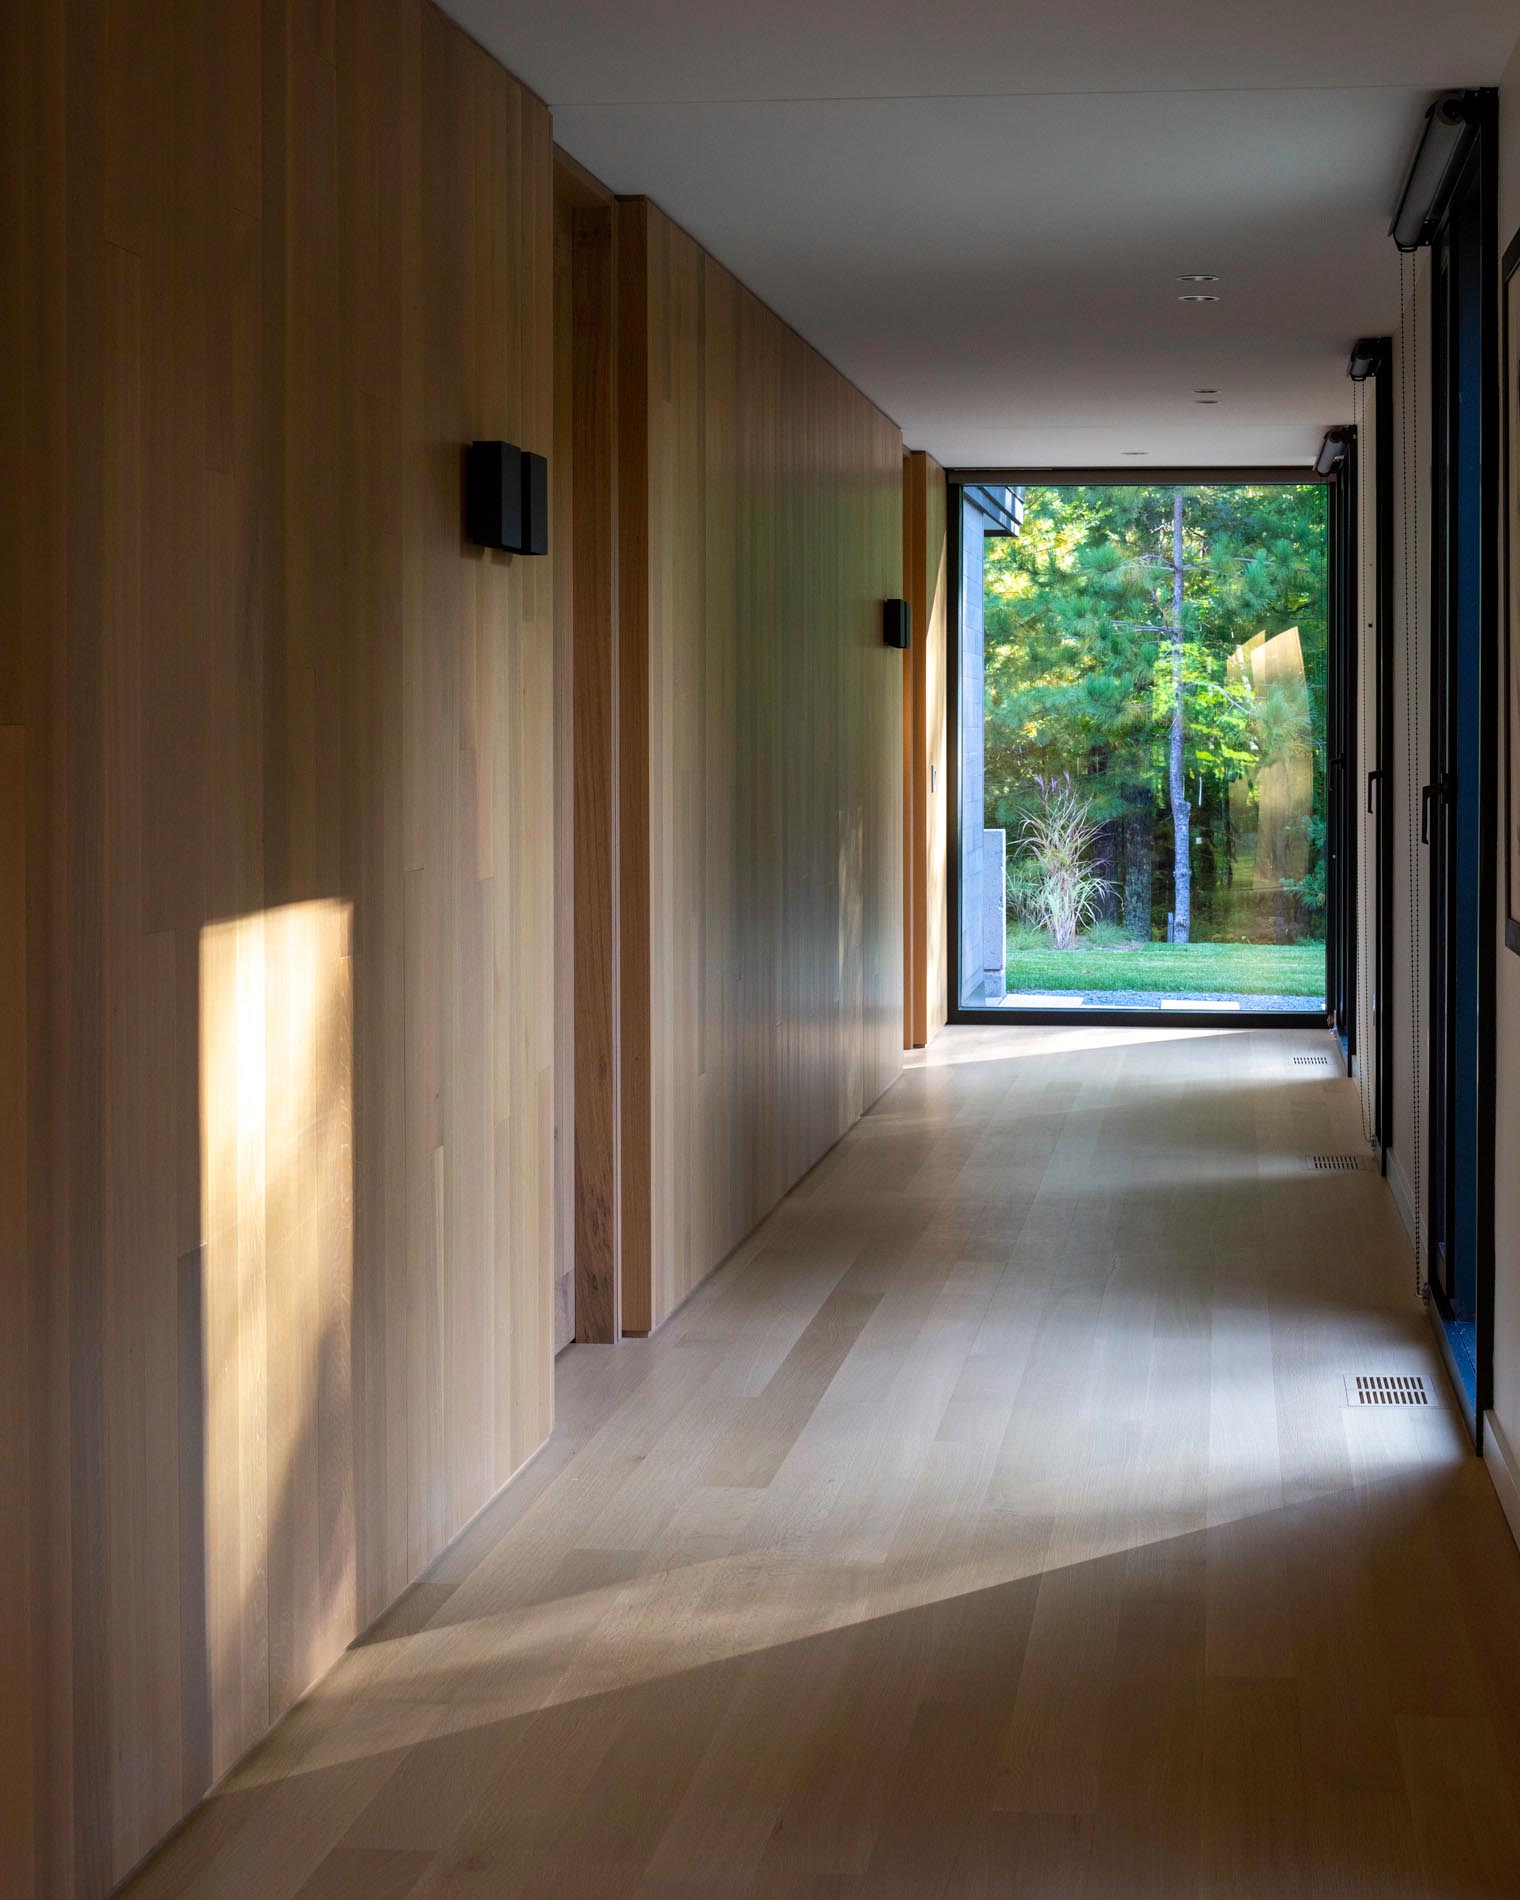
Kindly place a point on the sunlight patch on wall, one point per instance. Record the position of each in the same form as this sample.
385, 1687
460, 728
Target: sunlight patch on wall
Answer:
276, 1072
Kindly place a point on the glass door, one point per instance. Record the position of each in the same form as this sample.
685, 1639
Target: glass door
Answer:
1457, 808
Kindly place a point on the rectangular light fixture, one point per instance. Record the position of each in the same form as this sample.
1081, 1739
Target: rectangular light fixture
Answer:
506, 498
897, 623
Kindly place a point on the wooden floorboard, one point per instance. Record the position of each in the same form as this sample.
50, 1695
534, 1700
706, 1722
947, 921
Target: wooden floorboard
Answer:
993, 1523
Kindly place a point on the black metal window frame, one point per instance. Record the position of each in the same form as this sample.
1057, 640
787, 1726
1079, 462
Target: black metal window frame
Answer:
1383, 524
1342, 788
1465, 604
1031, 1016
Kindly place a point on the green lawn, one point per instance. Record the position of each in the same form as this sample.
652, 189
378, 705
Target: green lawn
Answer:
1245, 969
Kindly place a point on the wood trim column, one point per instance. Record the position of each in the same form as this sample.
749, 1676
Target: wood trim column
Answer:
593, 521
635, 1180
925, 588
912, 530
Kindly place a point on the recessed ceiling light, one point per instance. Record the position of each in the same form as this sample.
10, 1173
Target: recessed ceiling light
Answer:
1198, 296
1198, 277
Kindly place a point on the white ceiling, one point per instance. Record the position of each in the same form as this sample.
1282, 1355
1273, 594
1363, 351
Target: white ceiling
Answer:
979, 211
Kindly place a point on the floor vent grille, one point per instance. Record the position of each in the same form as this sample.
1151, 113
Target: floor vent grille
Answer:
1311, 1062
1386, 1388
1337, 1164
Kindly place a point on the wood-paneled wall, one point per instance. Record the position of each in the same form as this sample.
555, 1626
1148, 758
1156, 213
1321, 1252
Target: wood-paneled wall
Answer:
585, 617
276, 972
926, 575
760, 725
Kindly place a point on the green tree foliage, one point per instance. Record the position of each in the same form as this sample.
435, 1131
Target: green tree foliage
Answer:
1079, 677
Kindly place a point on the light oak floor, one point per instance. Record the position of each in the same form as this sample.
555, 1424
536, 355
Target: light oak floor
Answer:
993, 1524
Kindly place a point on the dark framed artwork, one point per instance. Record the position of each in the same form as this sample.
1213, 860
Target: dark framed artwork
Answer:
1511, 559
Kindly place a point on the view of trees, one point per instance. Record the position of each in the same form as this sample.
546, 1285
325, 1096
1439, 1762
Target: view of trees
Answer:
1163, 649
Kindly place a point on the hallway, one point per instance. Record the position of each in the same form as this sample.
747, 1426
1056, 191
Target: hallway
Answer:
994, 1522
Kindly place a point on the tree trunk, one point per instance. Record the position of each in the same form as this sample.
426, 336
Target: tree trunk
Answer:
1106, 866
1137, 876
1182, 872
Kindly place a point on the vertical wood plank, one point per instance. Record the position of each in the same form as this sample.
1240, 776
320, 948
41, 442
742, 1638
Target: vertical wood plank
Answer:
913, 894
935, 849
636, 529
594, 638
562, 546
762, 731
17, 1712
925, 587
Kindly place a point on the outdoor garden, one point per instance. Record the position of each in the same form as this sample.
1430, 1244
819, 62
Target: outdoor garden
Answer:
1154, 741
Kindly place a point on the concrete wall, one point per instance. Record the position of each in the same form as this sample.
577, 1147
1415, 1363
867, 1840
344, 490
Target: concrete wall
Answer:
973, 549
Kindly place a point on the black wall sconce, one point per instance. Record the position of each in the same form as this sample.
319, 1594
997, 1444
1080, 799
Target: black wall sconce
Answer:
897, 623
506, 498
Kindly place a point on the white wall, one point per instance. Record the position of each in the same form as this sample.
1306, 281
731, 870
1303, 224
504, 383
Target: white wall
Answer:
1408, 746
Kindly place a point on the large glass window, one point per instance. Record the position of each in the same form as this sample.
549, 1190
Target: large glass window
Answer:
1142, 747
